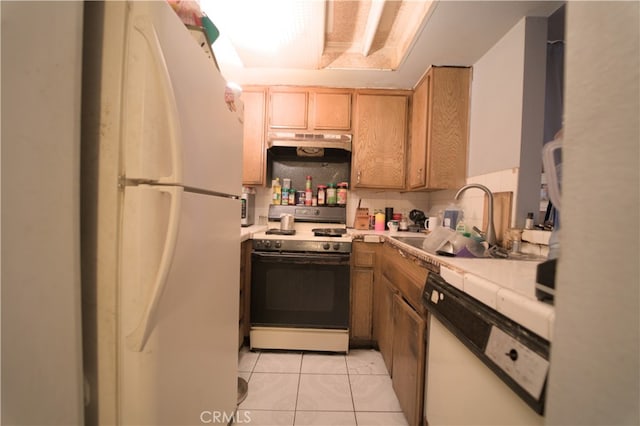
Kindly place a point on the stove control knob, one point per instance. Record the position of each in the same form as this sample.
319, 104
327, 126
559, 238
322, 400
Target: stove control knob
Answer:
336, 246
326, 246
278, 244
267, 244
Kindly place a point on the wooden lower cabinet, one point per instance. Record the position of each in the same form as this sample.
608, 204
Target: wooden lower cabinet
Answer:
399, 326
363, 259
408, 359
383, 319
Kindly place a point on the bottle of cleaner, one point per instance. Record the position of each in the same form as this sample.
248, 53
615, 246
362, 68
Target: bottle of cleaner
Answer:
276, 191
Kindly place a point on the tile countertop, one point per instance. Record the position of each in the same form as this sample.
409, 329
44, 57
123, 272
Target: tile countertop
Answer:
246, 233
508, 286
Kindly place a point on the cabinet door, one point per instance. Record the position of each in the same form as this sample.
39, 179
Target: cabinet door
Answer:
363, 259
379, 147
408, 359
331, 110
418, 144
361, 303
253, 149
440, 129
288, 109
383, 319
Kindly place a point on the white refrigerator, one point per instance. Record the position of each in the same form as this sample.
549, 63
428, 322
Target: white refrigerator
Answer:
161, 170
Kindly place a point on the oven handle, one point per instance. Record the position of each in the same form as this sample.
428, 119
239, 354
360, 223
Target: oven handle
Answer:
303, 258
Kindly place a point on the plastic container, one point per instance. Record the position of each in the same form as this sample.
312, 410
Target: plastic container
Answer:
379, 221
528, 223
332, 195
276, 192
292, 197
452, 215
284, 199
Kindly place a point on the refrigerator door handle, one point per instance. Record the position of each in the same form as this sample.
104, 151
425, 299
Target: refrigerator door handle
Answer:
137, 339
145, 28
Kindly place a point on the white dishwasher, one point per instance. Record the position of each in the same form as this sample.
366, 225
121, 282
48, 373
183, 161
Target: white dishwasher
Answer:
482, 368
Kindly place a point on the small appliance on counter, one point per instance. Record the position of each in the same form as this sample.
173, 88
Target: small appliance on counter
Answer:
417, 217
247, 217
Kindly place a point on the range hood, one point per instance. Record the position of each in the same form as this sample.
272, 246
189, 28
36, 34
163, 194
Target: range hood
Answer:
308, 144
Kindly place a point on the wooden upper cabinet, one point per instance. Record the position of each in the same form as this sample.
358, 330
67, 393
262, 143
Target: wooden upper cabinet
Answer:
309, 109
253, 141
379, 147
332, 110
288, 109
439, 130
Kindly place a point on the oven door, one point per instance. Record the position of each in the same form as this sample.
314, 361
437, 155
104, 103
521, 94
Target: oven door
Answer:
300, 290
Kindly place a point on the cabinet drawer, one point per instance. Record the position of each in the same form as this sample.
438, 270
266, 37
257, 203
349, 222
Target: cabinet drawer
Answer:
406, 275
363, 255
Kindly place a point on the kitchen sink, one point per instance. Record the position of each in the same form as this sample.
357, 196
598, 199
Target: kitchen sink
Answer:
416, 242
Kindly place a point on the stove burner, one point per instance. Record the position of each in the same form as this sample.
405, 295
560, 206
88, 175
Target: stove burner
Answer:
329, 232
276, 231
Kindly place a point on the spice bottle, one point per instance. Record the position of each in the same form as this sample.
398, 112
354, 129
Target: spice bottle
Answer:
342, 193
292, 197
322, 194
308, 192
276, 191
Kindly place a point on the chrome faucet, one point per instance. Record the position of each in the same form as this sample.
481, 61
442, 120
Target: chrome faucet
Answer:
490, 235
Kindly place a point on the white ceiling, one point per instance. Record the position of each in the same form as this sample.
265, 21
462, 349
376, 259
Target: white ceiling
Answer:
454, 33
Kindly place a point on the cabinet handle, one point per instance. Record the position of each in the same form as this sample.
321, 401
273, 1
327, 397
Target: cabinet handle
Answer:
402, 254
358, 176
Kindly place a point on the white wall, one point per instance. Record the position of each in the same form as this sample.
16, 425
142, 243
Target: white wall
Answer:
496, 105
595, 356
41, 345
507, 120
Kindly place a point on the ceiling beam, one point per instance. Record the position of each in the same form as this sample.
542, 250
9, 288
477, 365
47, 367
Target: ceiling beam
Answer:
373, 20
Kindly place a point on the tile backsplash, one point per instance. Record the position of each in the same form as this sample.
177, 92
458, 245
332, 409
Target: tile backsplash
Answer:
472, 201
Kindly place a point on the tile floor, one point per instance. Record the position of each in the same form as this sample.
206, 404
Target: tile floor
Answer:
295, 388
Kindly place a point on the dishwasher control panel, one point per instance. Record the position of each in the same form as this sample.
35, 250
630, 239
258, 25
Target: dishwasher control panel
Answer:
523, 365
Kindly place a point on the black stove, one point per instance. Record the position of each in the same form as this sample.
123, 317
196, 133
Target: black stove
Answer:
276, 231
329, 232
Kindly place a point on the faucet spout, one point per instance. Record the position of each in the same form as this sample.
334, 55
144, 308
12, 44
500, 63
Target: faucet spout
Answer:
491, 233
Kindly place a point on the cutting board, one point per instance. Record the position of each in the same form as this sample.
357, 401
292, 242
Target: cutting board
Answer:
501, 215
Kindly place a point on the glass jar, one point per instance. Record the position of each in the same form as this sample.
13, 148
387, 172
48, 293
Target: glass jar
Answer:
342, 193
